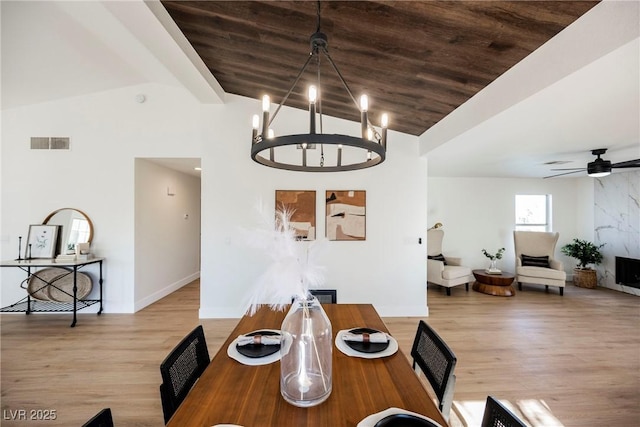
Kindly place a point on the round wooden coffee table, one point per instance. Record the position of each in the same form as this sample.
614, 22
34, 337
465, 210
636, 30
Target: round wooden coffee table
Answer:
494, 284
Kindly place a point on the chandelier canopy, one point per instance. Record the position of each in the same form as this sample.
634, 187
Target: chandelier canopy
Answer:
337, 152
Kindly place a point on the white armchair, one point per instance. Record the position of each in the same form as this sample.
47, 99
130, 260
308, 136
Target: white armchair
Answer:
441, 270
535, 261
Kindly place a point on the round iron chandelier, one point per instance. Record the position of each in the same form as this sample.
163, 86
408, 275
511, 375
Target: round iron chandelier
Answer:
337, 152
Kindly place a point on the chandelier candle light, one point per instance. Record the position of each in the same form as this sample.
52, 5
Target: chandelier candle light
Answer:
366, 150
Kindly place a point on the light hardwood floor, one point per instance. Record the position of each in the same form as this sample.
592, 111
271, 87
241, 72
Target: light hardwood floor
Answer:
559, 361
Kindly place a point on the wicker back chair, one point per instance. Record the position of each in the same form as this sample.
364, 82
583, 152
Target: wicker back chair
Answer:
181, 369
433, 357
101, 419
496, 415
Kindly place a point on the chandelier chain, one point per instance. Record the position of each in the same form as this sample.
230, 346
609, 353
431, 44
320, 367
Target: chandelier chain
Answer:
318, 15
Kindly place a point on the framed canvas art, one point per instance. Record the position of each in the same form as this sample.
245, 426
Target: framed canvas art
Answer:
302, 205
42, 241
345, 215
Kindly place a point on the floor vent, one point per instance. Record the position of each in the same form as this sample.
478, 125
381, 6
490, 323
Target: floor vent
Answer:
52, 143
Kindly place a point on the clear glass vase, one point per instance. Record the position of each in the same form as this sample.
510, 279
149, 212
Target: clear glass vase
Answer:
493, 266
305, 365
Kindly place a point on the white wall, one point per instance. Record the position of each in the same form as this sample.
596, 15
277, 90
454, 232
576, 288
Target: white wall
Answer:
479, 213
584, 193
167, 231
108, 130
387, 269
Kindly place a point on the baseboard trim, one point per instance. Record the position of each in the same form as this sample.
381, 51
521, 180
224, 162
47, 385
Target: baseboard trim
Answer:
158, 295
622, 288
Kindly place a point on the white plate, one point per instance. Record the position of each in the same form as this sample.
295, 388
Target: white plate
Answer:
371, 420
232, 352
343, 347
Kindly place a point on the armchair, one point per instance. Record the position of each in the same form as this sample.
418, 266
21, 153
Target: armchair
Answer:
441, 270
535, 261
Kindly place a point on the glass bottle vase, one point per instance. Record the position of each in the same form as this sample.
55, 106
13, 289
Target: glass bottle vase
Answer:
306, 354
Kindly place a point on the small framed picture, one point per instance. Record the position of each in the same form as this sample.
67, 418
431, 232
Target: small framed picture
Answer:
42, 241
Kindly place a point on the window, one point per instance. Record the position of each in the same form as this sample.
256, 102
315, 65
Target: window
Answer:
533, 212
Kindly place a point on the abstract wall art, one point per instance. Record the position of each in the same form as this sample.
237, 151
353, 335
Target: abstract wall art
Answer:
345, 215
302, 205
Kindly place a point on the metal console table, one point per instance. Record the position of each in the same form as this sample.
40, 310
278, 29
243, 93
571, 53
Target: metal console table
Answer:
30, 305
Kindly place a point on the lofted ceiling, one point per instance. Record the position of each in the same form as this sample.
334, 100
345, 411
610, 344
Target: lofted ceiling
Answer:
491, 89
419, 61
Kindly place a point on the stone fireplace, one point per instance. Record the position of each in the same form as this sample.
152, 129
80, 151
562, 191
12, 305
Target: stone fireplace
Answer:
617, 225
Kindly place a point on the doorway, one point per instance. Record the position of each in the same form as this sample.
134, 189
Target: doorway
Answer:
166, 227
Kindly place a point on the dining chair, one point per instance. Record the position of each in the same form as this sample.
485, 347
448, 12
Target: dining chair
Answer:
325, 296
181, 369
433, 357
101, 419
497, 415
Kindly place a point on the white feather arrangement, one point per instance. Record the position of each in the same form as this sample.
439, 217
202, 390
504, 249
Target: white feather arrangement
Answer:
294, 267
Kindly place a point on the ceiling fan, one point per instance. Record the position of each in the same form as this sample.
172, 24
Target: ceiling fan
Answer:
599, 167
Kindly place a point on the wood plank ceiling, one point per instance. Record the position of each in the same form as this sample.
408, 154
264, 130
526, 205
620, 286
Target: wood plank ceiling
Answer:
417, 60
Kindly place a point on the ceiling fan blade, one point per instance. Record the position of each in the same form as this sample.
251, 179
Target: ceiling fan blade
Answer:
628, 164
561, 174
569, 169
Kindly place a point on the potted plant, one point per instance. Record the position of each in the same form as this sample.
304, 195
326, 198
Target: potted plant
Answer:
493, 257
586, 253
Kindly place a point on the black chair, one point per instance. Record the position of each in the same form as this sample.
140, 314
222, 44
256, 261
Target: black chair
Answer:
436, 360
181, 369
101, 419
325, 296
496, 415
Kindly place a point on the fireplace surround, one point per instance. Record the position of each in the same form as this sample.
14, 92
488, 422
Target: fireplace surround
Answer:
616, 220
628, 272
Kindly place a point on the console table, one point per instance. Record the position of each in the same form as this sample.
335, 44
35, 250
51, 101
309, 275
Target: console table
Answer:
31, 305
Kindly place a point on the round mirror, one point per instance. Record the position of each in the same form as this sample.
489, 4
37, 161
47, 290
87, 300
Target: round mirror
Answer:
75, 227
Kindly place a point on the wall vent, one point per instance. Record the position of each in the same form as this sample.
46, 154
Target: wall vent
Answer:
46, 143
59, 143
39, 143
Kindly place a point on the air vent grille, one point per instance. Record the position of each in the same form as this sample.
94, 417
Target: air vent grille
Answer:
59, 143
49, 143
39, 143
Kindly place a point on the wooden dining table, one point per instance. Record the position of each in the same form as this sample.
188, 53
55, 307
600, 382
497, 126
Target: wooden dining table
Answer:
229, 392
